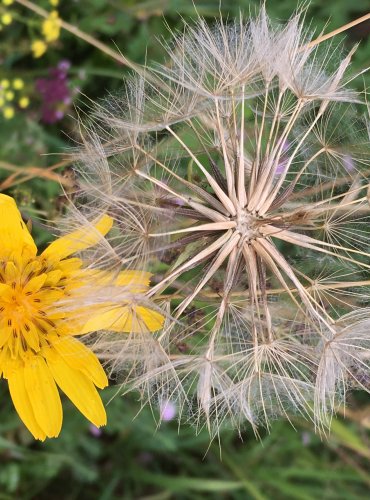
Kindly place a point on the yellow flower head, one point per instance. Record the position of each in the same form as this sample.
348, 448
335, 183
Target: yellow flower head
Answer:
24, 102
18, 84
38, 48
7, 2
38, 348
8, 112
6, 19
9, 95
51, 27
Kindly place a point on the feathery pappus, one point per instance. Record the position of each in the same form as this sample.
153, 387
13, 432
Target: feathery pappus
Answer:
237, 173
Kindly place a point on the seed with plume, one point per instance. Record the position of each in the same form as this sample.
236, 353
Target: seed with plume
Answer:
226, 170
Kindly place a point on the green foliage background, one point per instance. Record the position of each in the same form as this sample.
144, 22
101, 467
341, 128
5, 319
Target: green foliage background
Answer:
131, 458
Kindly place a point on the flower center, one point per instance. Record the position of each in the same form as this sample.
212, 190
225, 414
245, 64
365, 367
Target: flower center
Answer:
25, 294
246, 224
21, 305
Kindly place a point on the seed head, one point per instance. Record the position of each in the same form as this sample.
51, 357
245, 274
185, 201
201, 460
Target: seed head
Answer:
227, 171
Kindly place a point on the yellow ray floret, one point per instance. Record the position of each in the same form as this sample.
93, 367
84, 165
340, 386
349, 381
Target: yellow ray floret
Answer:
43, 305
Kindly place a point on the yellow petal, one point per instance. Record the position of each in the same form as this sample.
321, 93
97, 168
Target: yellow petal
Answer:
137, 281
44, 396
11, 272
53, 277
14, 235
134, 281
35, 284
152, 319
125, 319
80, 390
79, 357
5, 332
112, 319
85, 237
31, 336
68, 266
4, 289
22, 403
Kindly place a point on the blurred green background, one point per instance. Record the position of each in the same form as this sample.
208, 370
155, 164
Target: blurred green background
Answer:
40, 100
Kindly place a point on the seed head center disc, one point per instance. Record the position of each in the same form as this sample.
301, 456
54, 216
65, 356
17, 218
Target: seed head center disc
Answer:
245, 224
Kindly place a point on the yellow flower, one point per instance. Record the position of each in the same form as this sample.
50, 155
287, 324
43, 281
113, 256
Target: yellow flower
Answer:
6, 19
51, 27
8, 112
9, 95
7, 2
24, 102
4, 84
38, 348
38, 48
18, 84
54, 3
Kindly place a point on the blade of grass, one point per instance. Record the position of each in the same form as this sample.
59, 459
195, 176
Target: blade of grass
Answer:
182, 483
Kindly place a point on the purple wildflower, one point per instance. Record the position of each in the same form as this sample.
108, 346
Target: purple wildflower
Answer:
167, 410
95, 431
283, 160
306, 438
64, 65
348, 163
55, 93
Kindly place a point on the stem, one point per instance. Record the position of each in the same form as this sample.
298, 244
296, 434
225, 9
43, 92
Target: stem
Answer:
313, 244
212, 226
224, 199
266, 201
223, 253
242, 195
276, 291
31, 172
346, 27
228, 169
206, 253
264, 184
207, 212
120, 58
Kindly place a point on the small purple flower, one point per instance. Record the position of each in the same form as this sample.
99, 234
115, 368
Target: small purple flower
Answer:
167, 410
306, 438
348, 163
64, 65
55, 93
283, 160
95, 431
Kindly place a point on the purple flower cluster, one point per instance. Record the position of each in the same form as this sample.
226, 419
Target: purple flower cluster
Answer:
55, 93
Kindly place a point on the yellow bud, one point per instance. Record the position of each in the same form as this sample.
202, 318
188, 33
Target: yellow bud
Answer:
54, 3
4, 84
9, 95
24, 102
6, 19
7, 2
18, 84
8, 112
51, 27
38, 48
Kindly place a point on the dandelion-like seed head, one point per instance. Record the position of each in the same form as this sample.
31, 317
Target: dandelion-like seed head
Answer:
229, 178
